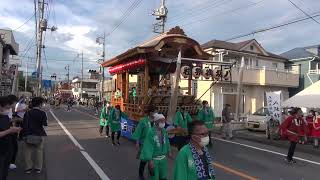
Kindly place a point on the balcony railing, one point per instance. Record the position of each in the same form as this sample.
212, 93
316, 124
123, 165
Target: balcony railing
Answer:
267, 76
314, 71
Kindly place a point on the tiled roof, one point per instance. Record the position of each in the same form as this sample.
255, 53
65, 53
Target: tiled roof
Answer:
299, 53
234, 46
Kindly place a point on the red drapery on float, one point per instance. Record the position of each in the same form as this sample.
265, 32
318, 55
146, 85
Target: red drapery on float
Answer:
127, 66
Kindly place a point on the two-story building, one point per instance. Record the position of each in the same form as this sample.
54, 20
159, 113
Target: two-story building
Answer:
8, 71
263, 72
89, 89
308, 60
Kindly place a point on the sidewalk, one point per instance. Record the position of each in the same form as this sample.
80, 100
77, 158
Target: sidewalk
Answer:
260, 137
18, 174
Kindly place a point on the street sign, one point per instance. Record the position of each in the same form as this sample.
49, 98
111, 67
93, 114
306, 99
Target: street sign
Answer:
46, 84
34, 75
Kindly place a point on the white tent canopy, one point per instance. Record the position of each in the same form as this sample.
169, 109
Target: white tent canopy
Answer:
307, 98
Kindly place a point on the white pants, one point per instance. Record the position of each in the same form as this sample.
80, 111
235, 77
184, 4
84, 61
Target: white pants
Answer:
227, 130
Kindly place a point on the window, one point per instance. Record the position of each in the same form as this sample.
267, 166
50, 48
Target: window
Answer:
257, 62
262, 112
251, 47
275, 65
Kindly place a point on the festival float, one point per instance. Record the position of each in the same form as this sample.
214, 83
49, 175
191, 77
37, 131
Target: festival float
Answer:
155, 68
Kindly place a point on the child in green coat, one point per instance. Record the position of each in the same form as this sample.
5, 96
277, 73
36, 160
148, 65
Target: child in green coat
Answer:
181, 121
140, 134
104, 118
115, 123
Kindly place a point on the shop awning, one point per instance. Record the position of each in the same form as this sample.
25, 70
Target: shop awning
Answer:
307, 98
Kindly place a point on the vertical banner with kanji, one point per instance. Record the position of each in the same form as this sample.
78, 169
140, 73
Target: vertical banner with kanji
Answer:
274, 104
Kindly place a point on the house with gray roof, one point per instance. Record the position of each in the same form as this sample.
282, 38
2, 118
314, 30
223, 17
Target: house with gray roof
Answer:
264, 72
307, 58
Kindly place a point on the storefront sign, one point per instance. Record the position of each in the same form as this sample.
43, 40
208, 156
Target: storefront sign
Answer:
274, 104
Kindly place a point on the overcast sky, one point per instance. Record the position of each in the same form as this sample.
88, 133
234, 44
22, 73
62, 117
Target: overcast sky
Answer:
79, 22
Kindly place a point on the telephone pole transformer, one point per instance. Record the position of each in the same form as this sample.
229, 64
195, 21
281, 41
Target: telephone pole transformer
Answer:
161, 17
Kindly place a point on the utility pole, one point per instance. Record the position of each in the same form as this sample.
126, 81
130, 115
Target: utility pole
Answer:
81, 75
161, 16
42, 26
100, 61
68, 74
26, 78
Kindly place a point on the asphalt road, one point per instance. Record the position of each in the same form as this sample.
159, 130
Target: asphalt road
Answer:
78, 152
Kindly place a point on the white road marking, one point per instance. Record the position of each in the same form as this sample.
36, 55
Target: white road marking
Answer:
266, 150
93, 164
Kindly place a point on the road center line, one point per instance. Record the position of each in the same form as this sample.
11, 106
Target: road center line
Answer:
225, 168
233, 171
266, 150
93, 164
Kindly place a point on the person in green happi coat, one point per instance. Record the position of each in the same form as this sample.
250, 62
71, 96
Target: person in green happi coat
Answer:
156, 148
104, 116
206, 115
115, 123
140, 134
194, 161
181, 121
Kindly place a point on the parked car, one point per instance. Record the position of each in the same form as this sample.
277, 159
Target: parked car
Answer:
258, 120
262, 121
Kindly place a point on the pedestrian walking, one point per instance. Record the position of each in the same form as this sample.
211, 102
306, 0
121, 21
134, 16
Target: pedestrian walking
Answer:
140, 134
104, 116
156, 148
96, 106
69, 103
290, 129
6, 137
33, 134
194, 161
181, 121
207, 116
17, 119
115, 123
315, 133
226, 122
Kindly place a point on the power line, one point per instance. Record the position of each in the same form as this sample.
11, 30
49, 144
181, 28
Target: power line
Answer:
274, 27
125, 15
24, 22
61, 60
197, 12
222, 13
303, 11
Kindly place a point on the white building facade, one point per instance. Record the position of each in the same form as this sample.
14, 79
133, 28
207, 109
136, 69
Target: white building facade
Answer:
263, 72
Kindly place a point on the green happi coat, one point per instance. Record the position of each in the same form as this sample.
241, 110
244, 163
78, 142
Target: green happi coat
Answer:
185, 168
207, 117
114, 121
142, 129
104, 117
152, 150
182, 121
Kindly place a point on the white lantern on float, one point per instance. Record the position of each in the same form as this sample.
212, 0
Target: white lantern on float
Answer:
196, 72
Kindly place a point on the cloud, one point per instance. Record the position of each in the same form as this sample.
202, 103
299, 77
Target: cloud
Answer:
79, 22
